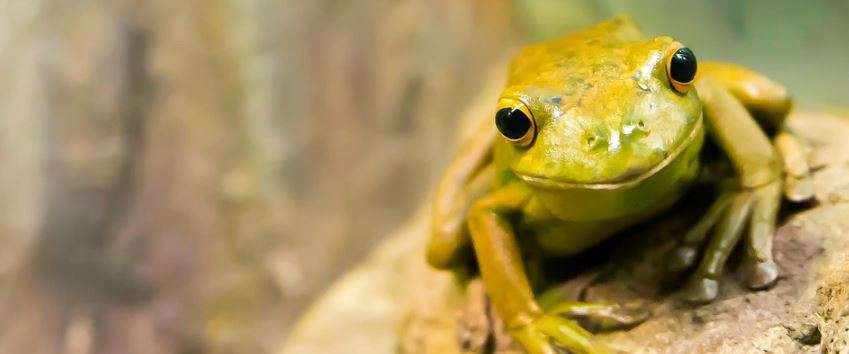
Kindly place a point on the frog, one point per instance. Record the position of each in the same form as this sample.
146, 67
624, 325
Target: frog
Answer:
600, 131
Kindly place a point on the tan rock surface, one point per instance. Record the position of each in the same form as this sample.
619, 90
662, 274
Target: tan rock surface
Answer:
808, 311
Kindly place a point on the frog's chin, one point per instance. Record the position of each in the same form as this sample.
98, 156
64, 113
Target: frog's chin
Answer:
551, 183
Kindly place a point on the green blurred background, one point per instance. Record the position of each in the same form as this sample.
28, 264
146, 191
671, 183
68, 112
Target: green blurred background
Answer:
187, 176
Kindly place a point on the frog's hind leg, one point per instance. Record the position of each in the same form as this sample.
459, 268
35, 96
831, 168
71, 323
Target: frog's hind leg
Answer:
769, 103
685, 255
766, 100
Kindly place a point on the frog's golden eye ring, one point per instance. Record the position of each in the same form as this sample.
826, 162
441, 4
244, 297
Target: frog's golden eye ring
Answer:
681, 66
515, 122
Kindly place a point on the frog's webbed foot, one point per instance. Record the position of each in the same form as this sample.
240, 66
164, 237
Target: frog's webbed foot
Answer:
727, 217
574, 290
548, 333
601, 317
477, 323
569, 300
557, 329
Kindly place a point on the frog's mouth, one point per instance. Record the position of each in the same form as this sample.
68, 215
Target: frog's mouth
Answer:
630, 181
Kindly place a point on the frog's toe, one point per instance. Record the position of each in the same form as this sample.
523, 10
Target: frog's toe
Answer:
533, 340
549, 333
701, 290
762, 271
617, 319
603, 317
762, 275
798, 184
686, 254
799, 190
681, 259
572, 291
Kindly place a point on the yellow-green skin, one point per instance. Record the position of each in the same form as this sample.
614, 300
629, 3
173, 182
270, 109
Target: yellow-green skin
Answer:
615, 144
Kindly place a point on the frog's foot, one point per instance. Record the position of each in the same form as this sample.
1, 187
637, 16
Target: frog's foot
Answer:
548, 333
572, 291
729, 213
798, 184
568, 300
601, 317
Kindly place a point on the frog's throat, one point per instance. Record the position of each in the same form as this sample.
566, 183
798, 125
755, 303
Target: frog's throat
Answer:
549, 183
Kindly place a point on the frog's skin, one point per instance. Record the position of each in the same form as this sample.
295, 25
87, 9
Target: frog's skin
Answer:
614, 143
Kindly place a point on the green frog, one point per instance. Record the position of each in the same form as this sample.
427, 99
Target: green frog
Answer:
597, 132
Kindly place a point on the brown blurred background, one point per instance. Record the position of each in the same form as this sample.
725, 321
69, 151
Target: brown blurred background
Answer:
187, 176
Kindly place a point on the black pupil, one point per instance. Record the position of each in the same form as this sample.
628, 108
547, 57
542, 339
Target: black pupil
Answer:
683, 65
512, 123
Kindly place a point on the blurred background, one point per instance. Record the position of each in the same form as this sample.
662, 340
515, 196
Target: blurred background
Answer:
187, 176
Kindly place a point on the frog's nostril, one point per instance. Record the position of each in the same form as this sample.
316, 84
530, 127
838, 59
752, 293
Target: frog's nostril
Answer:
642, 127
635, 129
595, 138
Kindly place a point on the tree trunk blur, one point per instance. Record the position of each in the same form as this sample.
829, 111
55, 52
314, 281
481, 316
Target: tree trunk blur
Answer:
184, 176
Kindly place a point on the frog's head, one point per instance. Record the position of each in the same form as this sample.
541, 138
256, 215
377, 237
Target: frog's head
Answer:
598, 109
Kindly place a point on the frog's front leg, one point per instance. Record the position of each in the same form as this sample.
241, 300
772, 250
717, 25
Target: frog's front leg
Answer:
685, 255
758, 168
757, 206
506, 282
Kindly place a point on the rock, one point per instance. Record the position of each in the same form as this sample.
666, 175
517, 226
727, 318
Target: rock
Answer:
394, 303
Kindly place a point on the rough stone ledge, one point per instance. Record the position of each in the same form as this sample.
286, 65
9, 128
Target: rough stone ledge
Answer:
807, 312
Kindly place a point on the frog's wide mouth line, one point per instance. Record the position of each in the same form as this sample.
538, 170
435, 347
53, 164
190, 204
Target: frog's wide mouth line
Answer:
550, 183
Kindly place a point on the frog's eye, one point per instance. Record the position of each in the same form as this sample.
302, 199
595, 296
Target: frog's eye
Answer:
681, 68
515, 122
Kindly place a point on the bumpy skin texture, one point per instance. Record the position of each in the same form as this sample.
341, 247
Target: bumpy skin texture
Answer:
615, 144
